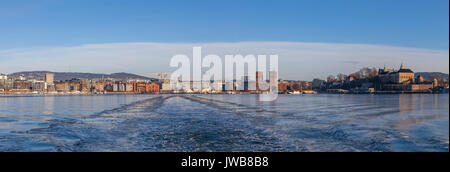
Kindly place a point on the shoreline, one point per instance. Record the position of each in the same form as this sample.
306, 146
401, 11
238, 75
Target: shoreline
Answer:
109, 94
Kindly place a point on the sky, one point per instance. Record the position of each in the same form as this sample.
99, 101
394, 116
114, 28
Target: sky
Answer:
59, 32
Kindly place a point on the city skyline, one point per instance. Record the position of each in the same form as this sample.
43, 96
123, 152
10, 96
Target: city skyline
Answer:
205, 76
366, 81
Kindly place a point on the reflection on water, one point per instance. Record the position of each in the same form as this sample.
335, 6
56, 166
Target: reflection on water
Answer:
224, 123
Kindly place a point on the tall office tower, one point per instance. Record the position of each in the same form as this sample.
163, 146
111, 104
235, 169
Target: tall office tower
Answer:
49, 78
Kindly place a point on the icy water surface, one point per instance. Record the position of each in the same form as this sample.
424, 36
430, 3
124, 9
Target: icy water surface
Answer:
225, 123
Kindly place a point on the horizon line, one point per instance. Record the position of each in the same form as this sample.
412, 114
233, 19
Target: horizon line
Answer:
315, 59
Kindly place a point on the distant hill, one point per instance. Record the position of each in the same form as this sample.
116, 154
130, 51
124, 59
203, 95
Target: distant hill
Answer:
70, 75
429, 75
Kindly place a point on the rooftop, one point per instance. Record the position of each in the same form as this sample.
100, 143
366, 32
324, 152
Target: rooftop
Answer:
405, 71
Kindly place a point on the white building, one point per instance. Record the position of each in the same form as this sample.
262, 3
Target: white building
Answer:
3, 77
49, 78
166, 87
215, 87
22, 78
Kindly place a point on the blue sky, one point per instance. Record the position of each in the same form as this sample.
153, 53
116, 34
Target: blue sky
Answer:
321, 37
409, 23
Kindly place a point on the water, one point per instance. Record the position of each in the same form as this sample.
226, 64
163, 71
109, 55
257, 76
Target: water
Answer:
205, 123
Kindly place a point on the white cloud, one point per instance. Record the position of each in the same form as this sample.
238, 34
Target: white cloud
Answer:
297, 60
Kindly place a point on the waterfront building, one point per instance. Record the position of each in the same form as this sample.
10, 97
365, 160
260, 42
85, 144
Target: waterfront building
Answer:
166, 87
318, 83
62, 87
425, 88
3, 79
122, 87
38, 86
403, 80
49, 78
402, 76
146, 88
22, 85
129, 87
2, 83
109, 87
119, 87
154, 87
294, 86
99, 86
86, 85
365, 88
8, 84
284, 87
69, 86
115, 87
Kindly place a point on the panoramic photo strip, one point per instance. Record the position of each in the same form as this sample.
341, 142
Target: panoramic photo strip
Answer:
224, 84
